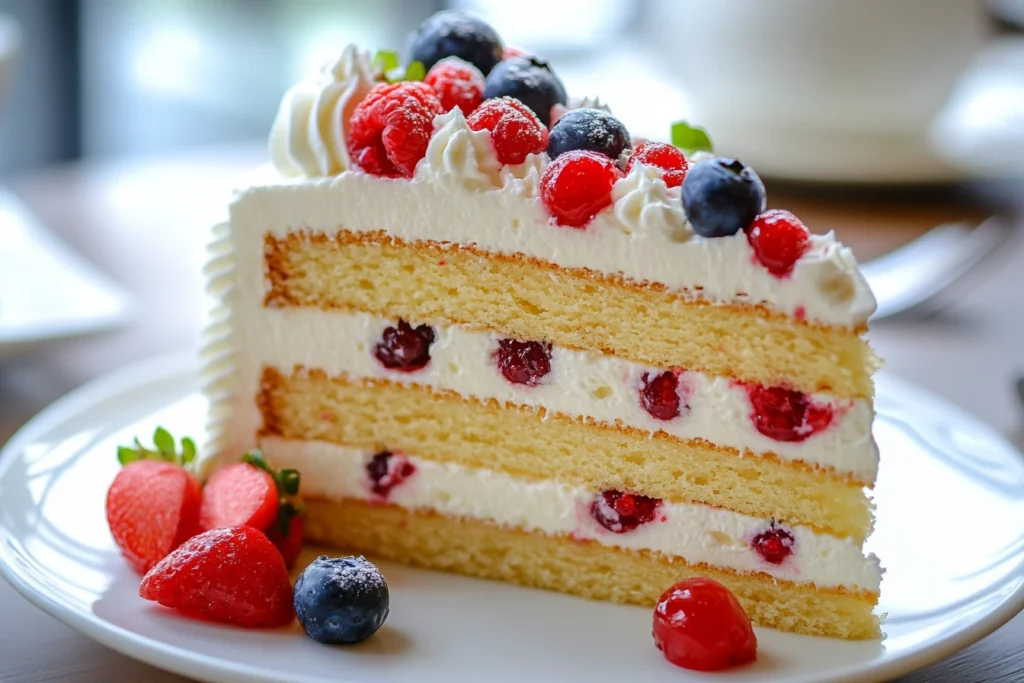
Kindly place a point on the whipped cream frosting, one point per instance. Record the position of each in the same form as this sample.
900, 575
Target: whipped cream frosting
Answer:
642, 202
580, 384
308, 138
825, 286
697, 533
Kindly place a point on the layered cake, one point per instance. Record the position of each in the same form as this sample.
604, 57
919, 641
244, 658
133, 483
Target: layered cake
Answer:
500, 336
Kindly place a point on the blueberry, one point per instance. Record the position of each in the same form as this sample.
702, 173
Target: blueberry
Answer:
721, 197
592, 129
341, 599
531, 81
453, 33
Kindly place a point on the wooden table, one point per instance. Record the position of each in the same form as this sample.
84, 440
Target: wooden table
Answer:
146, 223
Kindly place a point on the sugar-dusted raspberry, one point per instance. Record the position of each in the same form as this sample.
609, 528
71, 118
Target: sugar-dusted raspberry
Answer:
779, 240
515, 129
774, 544
457, 84
577, 185
390, 129
669, 159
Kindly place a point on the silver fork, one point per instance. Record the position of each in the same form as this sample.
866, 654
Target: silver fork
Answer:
918, 271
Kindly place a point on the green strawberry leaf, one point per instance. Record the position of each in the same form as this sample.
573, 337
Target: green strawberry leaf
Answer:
385, 61
287, 483
164, 448
415, 72
164, 443
188, 451
690, 139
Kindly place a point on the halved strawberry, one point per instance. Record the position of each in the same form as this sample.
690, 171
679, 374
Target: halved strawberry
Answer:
152, 508
232, 575
239, 494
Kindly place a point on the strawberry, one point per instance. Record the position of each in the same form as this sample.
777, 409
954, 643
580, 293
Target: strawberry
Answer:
233, 576
252, 493
239, 494
289, 542
153, 504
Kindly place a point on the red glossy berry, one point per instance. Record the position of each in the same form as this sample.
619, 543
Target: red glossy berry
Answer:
774, 544
620, 512
779, 239
405, 348
786, 415
510, 52
699, 625
515, 130
152, 508
390, 129
239, 495
457, 84
577, 185
289, 544
659, 395
523, 362
387, 470
233, 575
666, 157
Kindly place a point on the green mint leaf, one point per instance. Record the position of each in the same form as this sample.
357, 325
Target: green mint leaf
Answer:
690, 139
415, 72
385, 60
288, 482
188, 451
126, 455
164, 443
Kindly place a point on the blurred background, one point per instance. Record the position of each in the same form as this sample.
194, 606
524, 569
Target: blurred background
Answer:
125, 124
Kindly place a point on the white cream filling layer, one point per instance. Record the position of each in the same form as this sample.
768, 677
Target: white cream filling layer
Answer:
825, 285
698, 533
580, 384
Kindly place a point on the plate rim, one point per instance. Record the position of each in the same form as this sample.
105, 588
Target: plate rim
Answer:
186, 366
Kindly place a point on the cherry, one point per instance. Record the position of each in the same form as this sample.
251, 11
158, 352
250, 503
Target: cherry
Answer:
659, 395
786, 415
523, 362
404, 347
779, 239
387, 470
699, 625
620, 512
774, 544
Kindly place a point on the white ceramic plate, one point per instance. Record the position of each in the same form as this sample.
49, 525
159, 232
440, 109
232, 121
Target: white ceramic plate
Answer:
47, 291
950, 530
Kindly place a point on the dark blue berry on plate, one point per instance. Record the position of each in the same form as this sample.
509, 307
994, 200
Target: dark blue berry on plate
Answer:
531, 81
591, 129
722, 196
456, 34
341, 599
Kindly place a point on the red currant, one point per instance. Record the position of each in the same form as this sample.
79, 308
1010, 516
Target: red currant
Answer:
669, 159
577, 186
779, 239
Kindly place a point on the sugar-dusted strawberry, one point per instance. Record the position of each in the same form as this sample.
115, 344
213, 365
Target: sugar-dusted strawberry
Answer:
252, 493
289, 540
239, 494
233, 575
153, 503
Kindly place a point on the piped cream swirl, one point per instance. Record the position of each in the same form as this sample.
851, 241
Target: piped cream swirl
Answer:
643, 203
310, 132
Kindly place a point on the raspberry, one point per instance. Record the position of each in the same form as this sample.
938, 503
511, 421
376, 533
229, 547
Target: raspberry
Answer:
659, 395
699, 625
390, 129
523, 362
666, 157
405, 348
620, 512
510, 52
387, 470
774, 544
515, 129
577, 185
786, 415
457, 83
779, 240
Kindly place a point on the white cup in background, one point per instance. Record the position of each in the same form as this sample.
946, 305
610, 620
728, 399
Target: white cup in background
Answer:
788, 81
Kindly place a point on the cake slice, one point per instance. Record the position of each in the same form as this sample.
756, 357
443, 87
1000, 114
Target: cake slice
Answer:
559, 357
